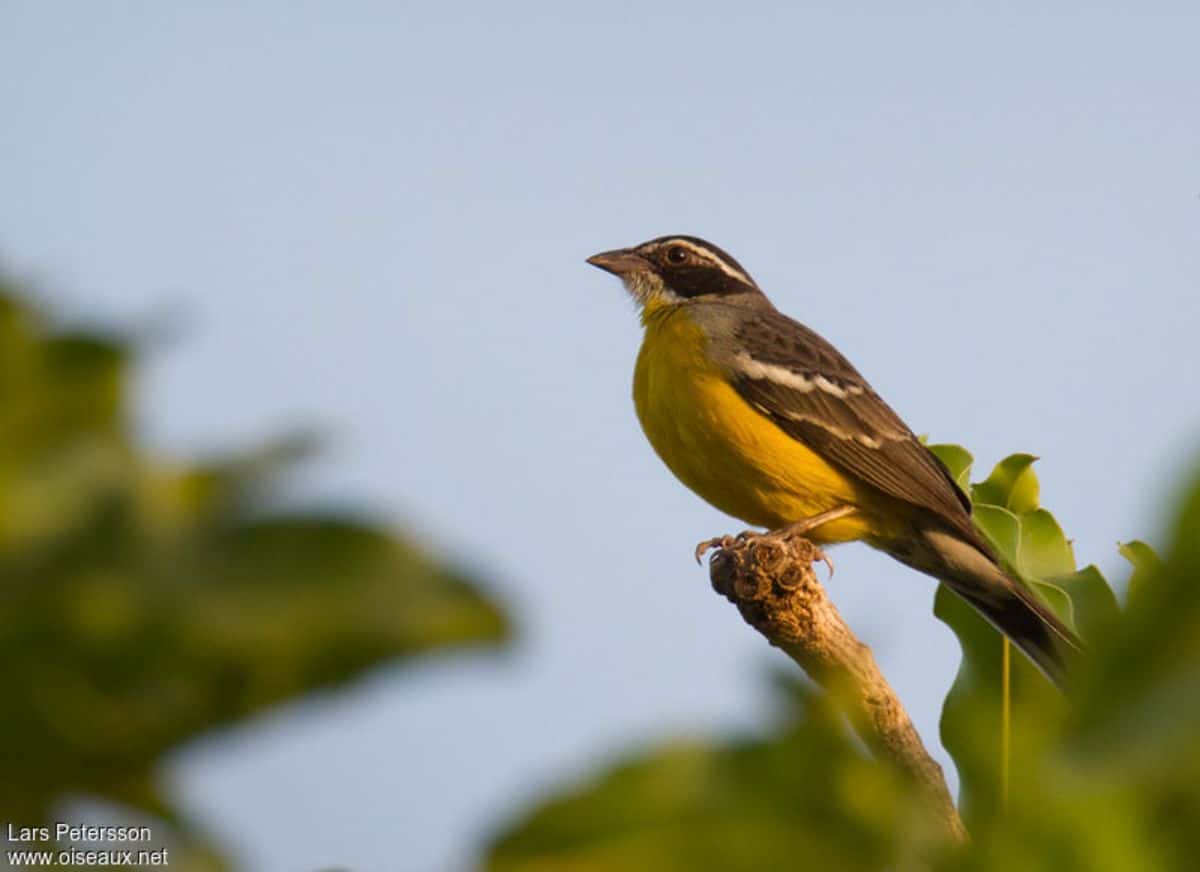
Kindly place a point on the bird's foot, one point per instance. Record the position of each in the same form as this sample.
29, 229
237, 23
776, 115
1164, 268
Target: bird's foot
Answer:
783, 534
796, 530
719, 542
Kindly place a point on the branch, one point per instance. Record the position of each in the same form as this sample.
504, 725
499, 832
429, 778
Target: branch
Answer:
772, 582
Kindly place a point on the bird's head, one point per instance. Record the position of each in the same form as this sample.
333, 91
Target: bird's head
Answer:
668, 270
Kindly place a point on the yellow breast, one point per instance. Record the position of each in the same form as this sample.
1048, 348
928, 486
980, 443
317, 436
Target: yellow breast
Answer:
723, 448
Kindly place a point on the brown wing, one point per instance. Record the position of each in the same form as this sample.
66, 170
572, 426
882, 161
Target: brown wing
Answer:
811, 391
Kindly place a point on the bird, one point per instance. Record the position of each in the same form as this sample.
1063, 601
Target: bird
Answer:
768, 422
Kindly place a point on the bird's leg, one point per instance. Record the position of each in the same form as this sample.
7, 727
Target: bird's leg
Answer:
799, 528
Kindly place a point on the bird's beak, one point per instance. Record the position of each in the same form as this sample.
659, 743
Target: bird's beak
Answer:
619, 262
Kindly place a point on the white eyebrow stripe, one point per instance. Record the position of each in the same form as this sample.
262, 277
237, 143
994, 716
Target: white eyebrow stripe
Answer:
709, 257
781, 375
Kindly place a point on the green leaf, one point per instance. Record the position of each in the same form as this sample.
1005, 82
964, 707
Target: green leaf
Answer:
1034, 548
1044, 550
1054, 596
1012, 485
805, 791
970, 724
1146, 565
957, 460
1144, 713
1002, 529
1093, 606
150, 602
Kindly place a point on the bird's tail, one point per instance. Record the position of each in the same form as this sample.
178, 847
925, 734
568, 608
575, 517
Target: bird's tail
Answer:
1006, 604
1032, 627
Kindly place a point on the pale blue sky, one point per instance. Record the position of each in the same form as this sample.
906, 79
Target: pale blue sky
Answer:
374, 216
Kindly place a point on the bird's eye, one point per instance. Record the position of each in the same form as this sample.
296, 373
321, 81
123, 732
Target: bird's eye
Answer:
677, 254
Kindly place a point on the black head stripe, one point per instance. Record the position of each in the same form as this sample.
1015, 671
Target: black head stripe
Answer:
707, 271
697, 281
715, 251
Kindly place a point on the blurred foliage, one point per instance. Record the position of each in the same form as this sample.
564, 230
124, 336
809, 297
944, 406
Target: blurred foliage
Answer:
1113, 780
1034, 548
1107, 778
148, 602
806, 797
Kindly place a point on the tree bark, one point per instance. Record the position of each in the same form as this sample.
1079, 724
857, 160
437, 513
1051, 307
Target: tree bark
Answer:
772, 582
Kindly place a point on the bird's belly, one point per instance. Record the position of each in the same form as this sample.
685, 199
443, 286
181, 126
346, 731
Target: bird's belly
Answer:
726, 450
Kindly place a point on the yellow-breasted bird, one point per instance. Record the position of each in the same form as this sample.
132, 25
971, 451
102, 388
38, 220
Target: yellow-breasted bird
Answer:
768, 422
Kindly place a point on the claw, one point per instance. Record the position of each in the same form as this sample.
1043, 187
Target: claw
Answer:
707, 545
720, 542
827, 560
704, 547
